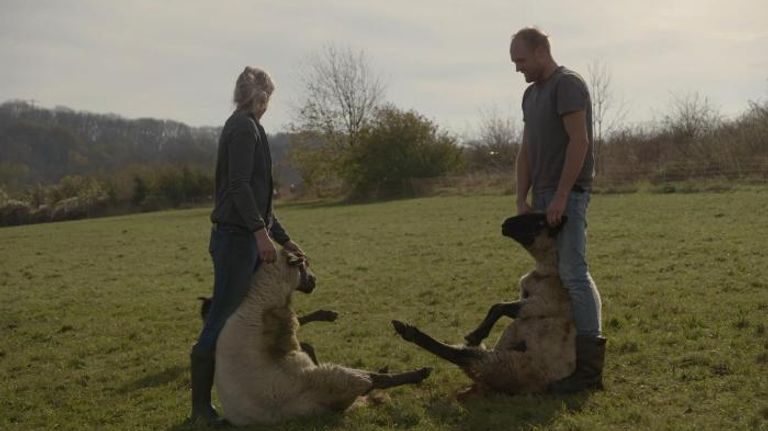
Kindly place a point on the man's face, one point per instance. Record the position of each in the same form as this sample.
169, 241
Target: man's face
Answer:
526, 61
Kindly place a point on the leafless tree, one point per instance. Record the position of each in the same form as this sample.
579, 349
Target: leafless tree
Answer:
341, 92
497, 144
607, 112
689, 127
497, 129
691, 116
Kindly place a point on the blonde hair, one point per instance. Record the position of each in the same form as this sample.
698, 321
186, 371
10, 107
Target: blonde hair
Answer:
252, 90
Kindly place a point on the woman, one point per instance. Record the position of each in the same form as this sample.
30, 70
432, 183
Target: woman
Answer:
244, 225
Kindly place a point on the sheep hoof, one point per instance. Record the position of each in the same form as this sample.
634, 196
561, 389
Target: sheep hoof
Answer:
469, 393
423, 373
474, 339
406, 331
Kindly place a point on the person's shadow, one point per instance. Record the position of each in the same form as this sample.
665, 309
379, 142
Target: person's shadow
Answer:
326, 421
492, 412
503, 412
159, 378
495, 412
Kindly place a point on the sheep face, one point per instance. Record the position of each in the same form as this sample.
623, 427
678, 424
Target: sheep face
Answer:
533, 232
302, 278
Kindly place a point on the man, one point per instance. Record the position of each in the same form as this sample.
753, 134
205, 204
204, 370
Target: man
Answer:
557, 162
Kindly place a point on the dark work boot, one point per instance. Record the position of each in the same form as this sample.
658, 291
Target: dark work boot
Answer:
590, 356
202, 369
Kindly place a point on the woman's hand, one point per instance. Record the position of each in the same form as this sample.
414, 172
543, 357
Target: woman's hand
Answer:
294, 248
265, 246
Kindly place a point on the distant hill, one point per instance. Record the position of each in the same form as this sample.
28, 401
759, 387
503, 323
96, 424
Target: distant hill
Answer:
40, 145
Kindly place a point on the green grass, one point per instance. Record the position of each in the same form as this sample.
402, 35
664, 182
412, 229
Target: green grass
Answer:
97, 316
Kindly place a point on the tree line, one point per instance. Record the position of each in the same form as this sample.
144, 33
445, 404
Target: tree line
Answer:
43, 145
61, 164
345, 140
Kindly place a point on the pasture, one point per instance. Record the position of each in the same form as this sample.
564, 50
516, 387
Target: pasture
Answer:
97, 316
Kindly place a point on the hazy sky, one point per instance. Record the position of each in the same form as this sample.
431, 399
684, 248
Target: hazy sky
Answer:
447, 59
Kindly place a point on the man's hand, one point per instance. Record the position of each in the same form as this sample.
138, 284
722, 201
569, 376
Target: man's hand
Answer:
265, 246
294, 248
556, 209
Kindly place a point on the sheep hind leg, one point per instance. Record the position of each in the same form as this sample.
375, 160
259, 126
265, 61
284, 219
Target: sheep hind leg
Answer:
460, 356
385, 380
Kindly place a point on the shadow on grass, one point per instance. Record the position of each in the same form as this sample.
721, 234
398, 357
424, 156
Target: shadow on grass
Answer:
498, 412
321, 422
157, 379
505, 412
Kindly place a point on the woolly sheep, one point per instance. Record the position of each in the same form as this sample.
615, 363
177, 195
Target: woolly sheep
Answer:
538, 347
262, 374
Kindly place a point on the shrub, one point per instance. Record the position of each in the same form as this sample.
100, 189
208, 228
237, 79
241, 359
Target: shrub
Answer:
398, 147
14, 212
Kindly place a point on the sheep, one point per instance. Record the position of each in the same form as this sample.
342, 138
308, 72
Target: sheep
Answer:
315, 316
263, 376
538, 347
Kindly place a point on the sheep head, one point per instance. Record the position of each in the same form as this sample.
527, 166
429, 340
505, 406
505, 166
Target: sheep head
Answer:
302, 278
532, 231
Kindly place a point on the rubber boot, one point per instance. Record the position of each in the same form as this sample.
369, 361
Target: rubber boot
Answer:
590, 357
202, 370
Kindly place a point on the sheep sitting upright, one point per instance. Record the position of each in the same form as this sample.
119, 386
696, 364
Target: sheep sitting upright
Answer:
538, 347
263, 375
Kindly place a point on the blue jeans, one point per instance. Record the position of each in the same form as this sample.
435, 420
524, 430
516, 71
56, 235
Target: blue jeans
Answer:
572, 261
235, 259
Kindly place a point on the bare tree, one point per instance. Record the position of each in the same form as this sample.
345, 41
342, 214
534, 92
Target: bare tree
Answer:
692, 115
603, 103
498, 142
498, 130
341, 93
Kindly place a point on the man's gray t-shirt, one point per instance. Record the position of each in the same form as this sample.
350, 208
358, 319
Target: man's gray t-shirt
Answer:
544, 105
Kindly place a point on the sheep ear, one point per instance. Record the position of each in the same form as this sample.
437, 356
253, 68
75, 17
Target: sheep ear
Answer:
294, 260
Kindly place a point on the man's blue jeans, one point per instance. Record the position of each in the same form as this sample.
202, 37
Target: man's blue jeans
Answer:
572, 258
235, 259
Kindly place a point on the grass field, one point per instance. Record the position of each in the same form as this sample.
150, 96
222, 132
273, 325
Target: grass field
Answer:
97, 316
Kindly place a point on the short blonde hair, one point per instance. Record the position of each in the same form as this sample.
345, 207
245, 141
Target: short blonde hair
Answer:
252, 89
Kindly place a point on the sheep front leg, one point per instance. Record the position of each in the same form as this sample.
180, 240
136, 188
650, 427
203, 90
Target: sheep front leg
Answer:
315, 316
310, 351
318, 316
460, 356
497, 311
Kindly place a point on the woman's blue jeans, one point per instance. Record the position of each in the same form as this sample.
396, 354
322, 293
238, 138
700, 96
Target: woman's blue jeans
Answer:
572, 258
235, 259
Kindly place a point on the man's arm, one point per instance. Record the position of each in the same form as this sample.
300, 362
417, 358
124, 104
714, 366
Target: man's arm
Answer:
575, 124
523, 175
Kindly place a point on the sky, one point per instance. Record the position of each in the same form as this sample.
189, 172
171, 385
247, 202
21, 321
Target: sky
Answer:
448, 60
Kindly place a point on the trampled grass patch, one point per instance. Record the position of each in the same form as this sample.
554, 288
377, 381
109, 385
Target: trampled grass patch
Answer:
97, 316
